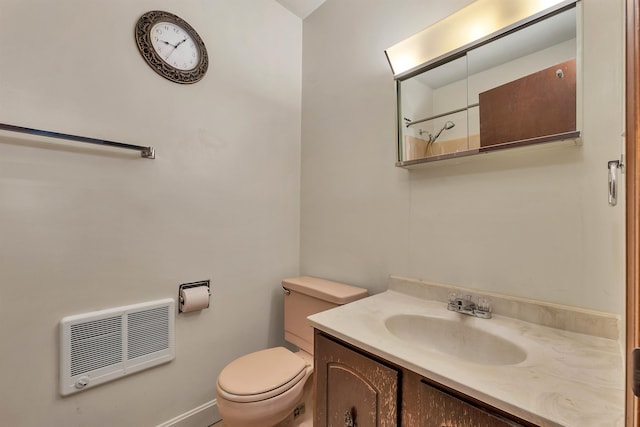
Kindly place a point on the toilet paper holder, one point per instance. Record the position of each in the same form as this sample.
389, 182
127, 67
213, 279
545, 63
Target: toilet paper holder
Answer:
191, 285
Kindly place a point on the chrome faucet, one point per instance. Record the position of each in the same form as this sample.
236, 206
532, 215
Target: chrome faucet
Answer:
467, 306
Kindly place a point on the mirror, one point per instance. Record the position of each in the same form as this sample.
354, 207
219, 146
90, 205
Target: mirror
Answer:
514, 89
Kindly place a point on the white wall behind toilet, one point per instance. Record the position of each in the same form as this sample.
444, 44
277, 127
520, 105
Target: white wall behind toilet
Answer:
85, 228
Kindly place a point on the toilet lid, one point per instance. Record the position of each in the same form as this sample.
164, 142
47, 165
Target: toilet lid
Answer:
260, 372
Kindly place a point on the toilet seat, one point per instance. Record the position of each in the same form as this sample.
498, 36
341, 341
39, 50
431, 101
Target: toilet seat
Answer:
261, 375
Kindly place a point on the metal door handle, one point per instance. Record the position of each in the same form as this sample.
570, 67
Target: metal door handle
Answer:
613, 166
349, 420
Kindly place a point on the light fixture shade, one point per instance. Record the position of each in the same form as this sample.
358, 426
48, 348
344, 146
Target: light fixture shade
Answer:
480, 20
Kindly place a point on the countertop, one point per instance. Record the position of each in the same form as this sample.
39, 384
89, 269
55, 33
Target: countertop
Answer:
567, 379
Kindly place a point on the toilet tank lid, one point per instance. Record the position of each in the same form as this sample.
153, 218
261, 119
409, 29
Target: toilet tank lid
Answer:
327, 290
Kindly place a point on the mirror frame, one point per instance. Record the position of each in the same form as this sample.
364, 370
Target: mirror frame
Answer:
443, 42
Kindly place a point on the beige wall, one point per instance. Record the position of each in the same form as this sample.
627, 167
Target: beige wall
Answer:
532, 222
84, 228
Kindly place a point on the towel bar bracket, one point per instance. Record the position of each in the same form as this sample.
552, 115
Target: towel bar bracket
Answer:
148, 153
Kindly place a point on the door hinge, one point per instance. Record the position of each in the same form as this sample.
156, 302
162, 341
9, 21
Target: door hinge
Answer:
636, 371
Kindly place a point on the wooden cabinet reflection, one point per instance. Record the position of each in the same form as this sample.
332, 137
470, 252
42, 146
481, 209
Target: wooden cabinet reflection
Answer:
534, 106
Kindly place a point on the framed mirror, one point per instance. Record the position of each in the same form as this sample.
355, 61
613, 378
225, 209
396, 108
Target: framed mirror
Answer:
514, 88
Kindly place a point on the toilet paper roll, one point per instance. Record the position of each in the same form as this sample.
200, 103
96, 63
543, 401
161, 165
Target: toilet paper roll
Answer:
194, 299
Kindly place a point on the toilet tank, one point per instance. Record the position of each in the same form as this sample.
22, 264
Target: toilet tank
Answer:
307, 295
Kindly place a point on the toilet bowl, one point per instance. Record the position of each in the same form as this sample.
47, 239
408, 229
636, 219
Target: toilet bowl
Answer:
264, 387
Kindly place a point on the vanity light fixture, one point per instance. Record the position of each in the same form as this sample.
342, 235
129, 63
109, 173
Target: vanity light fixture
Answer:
486, 18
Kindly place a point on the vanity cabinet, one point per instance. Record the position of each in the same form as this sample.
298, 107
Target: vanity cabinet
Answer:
426, 405
353, 389
356, 389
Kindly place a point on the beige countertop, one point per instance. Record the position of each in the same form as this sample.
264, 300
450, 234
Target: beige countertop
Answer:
567, 379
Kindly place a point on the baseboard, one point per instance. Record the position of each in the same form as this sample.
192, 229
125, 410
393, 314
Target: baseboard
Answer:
202, 416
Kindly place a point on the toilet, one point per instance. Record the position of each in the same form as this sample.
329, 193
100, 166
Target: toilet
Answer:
263, 388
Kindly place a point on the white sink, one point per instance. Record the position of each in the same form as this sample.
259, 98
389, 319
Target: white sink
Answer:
455, 337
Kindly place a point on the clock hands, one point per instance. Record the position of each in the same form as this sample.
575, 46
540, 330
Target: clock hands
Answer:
174, 46
166, 42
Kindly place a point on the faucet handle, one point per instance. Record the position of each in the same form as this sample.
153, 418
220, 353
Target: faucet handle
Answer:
454, 302
484, 304
453, 297
483, 308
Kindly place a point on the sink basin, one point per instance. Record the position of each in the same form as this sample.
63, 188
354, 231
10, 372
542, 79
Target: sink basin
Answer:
455, 337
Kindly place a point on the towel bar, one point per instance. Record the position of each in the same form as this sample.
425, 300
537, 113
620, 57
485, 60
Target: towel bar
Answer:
146, 152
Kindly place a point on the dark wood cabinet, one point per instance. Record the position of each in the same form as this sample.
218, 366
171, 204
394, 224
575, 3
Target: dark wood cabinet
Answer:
354, 389
424, 405
534, 106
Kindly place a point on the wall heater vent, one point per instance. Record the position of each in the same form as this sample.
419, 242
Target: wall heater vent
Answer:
108, 344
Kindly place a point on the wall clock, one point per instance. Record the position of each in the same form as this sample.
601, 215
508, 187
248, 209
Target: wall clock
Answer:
171, 47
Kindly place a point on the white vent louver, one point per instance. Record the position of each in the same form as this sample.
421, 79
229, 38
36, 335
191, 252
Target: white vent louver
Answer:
104, 345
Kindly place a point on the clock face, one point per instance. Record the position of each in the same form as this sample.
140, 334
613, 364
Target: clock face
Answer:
174, 45
171, 47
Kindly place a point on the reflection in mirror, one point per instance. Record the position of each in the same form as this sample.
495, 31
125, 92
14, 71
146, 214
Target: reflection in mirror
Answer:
516, 89
524, 84
434, 111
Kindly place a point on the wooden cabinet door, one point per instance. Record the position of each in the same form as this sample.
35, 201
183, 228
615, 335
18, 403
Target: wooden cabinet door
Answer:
427, 406
352, 389
537, 105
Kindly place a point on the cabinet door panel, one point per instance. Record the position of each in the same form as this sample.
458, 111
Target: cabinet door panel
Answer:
426, 406
353, 386
533, 106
